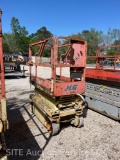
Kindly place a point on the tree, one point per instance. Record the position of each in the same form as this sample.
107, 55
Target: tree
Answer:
108, 38
8, 43
116, 34
113, 38
41, 34
92, 36
20, 34
6, 47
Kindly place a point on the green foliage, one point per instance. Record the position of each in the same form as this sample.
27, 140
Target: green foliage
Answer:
46, 53
116, 34
111, 52
8, 43
41, 34
5, 45
92, 36
17, 30
108, 38
20, 36
19, 39
91, 61
116, 42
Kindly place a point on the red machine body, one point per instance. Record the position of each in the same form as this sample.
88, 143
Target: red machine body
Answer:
2, 80
58, 88
3, 112
102, 72
59, 85
103, 82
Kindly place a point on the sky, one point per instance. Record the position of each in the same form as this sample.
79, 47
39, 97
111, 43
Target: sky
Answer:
62, 17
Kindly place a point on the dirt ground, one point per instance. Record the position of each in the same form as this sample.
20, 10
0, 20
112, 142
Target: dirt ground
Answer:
27, 139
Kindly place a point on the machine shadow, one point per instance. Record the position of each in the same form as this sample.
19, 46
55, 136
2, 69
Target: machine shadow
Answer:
20, 141
85, 110
14, 76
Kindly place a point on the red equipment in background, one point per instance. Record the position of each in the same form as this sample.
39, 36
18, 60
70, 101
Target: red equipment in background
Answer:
103, 82
102, 72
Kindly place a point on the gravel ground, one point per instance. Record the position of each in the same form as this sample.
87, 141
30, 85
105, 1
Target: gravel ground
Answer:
27, 139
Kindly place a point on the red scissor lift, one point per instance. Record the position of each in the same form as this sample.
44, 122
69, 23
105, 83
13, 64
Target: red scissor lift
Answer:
3, 113
58, 98
103, 82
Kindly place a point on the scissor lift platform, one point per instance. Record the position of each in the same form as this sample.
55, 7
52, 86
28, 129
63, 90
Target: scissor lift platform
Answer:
58, 98
103, 84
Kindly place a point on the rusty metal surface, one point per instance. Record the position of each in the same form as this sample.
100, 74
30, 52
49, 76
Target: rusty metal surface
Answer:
59, 86
3, 112
2, 80
55, 99
102, 72
103, 84
3, 115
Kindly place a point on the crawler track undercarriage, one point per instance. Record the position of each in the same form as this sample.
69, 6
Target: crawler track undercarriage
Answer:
58, 99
